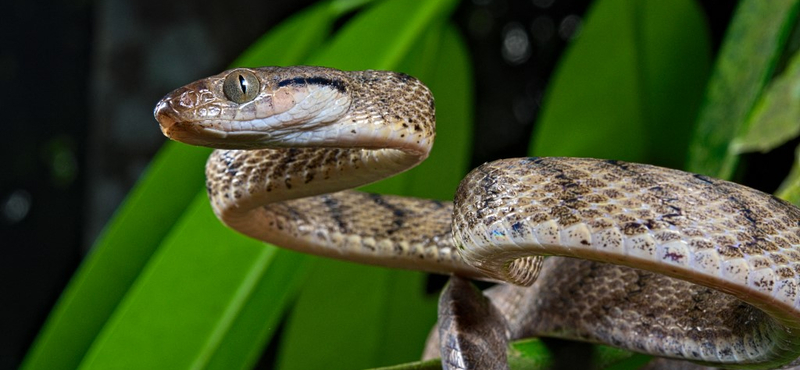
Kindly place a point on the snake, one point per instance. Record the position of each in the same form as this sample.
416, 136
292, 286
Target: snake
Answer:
646, 258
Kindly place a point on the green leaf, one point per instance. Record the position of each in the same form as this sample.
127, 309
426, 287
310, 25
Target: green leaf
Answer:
776, 117
189, 298
749, 54
291, 41
258, 319
383, 38
629, 87
121, 252
346, 314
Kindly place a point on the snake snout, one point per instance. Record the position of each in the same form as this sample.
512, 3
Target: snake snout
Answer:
177, 128
166, 116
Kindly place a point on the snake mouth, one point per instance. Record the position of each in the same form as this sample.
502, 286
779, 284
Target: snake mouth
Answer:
193, 134
176, 128
205, 133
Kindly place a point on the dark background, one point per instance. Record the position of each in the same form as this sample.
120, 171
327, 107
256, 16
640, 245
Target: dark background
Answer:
80, 79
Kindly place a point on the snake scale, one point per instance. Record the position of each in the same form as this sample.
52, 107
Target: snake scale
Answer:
657, 260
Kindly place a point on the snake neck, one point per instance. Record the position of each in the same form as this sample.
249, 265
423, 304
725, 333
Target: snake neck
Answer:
293, 198
240, 181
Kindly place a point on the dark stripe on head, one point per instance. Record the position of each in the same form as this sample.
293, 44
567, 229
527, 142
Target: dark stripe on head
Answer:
321, 81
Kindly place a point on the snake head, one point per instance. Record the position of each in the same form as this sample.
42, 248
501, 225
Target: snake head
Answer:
255, 108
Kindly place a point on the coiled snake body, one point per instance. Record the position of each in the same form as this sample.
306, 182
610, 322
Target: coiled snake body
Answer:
292, 141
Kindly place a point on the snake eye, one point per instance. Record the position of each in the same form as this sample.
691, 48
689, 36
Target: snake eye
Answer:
241, 86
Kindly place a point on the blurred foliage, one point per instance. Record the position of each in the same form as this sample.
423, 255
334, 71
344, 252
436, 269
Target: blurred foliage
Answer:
167, 286
629, 84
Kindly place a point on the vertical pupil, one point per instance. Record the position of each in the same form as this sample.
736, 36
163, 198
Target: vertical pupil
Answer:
243, 84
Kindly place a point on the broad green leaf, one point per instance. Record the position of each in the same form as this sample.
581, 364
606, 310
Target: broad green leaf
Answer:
294, 40
749, 54
173, 180
382, 39
340, 318
291, 41
126, 245
188, 298
776, 117
629, 87
258, 319
675, 62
